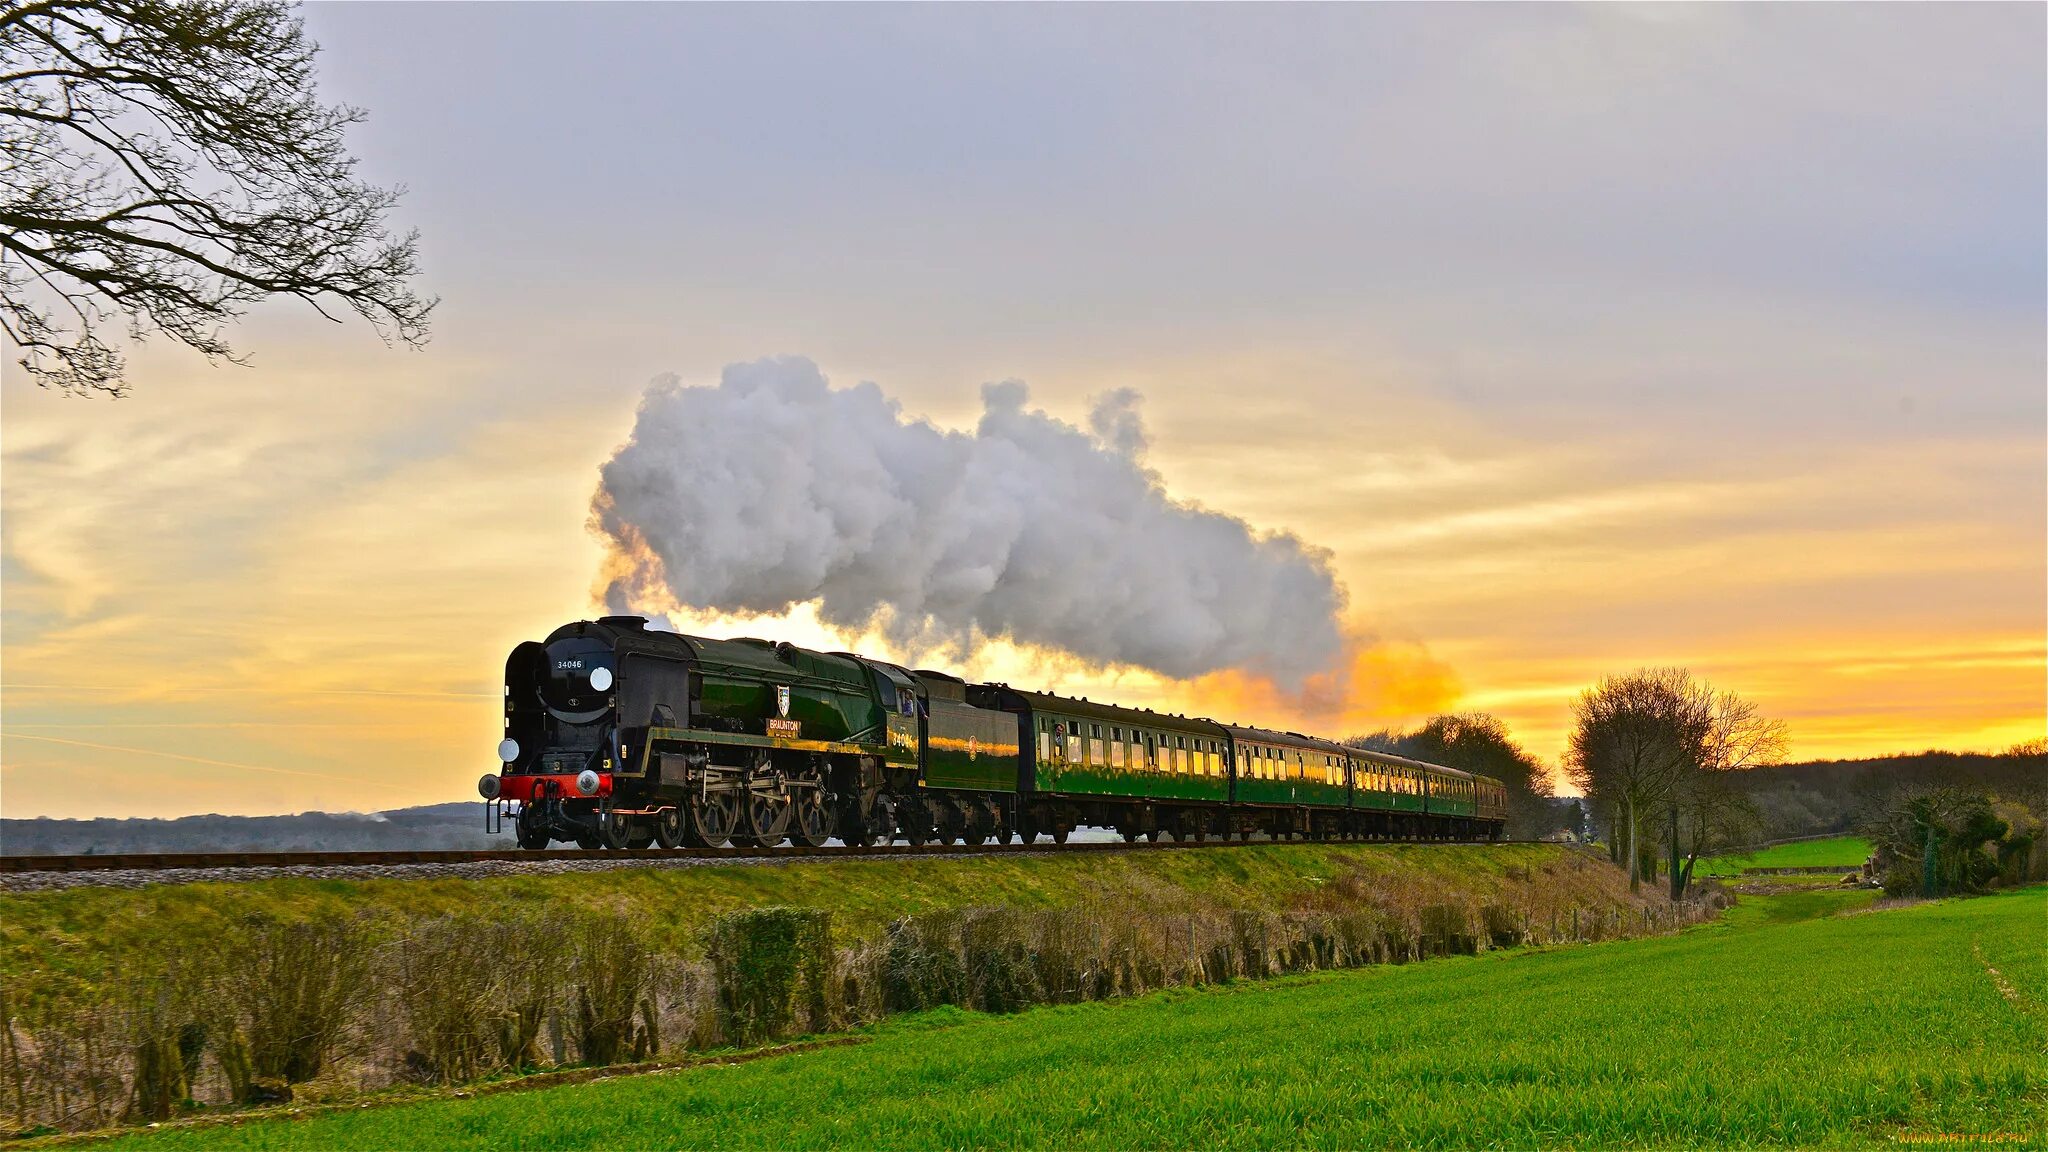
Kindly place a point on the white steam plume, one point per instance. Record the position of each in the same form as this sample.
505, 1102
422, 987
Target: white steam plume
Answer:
773, 489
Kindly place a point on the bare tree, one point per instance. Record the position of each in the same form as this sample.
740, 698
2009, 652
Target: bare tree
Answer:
1634, 740
1711, 808
166, 164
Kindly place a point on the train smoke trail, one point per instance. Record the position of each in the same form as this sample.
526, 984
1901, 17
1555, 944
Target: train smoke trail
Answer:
772, 489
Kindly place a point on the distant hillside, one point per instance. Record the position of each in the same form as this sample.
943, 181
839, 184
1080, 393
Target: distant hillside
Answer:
1829, 795
454, 826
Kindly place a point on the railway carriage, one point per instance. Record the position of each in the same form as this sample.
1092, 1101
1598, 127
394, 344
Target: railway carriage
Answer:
619, 736
1288, 784
1141, 772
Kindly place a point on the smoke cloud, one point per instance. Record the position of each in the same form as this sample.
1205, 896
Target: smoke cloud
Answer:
773, 489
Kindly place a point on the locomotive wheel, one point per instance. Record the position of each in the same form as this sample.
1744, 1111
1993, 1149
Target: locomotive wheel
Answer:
642, 835
712, 819
615, 831
532, 831
669, 826
1059, 833
810, 822
588, 841
764, 819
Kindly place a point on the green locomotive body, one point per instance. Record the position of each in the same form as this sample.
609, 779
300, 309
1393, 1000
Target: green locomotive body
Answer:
620, 736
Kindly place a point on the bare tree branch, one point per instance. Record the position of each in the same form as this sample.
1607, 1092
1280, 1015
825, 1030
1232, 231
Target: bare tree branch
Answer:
167, 164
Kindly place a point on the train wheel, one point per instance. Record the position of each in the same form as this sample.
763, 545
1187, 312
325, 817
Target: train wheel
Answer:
810, 822
712, 819
1059, 833
669, 827
615, 831
765, 819
642, 836
588, 841
978, 823
532, 831
1152, 836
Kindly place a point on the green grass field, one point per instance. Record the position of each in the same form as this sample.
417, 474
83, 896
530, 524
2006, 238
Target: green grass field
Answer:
1843, 1030
1844, 852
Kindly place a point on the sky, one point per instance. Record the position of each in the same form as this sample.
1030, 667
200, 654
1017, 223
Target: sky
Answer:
1583, 339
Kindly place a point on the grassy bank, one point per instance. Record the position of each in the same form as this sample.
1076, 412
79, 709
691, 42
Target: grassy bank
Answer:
84, 931
129, 1006
1844, 852
1927, 1023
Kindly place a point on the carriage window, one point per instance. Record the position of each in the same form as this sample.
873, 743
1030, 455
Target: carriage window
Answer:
1074, 747
1044, 739
1116, 753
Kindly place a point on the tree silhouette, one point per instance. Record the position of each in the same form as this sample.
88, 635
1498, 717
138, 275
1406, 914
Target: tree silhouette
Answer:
167, 164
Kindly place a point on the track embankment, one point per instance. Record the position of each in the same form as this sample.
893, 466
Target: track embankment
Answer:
615, 966
134, 869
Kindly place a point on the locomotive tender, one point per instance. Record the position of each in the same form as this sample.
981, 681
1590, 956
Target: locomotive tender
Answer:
619, 736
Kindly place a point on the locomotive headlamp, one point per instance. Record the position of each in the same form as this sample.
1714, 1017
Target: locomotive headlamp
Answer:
586, 782
508, 749
600, 678
489, 786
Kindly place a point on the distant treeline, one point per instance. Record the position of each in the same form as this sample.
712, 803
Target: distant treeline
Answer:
1821, 796
434, 826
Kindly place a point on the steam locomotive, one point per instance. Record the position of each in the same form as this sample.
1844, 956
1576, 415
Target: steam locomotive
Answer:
619, 736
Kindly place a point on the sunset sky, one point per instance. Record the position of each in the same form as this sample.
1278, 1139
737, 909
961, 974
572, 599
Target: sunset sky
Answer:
1583, 338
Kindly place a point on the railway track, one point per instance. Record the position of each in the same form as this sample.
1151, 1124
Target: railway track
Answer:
166, 861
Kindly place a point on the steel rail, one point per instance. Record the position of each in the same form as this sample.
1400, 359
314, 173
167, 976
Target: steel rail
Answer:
166, 861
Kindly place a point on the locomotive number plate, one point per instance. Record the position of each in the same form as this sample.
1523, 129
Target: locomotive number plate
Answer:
784, 728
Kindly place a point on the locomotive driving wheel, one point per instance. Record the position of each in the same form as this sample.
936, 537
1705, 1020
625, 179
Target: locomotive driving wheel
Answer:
712, 819
810, 821
765, 818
